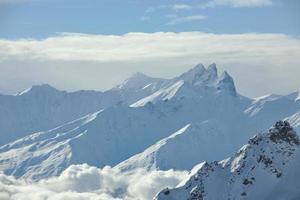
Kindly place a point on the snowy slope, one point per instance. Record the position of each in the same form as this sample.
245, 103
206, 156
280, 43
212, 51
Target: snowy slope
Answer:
294, 120
259, 170
182, 151
105, 138
109, 137
188, 146
191, 145
198, 97
43, 107
42, 153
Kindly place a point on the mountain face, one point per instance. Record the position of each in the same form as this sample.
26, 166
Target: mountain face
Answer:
143, 123
187, 147
265, 168
43, 107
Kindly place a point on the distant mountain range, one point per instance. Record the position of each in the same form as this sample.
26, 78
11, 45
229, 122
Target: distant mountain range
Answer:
145, 122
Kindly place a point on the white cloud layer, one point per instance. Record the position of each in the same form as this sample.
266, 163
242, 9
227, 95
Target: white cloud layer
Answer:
80, 182
101, 61
146, 46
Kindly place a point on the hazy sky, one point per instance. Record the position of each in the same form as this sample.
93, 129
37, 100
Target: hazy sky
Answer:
95, 44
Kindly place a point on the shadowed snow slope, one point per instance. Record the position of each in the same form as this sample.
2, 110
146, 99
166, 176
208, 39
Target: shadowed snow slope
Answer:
187, 147
265, 168
159, 107
43, 107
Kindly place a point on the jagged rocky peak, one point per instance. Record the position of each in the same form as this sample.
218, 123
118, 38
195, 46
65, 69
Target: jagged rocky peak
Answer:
212, 74
252, 173
208, 77
226, 83
282, 131
212, 68
199, 75
193, 73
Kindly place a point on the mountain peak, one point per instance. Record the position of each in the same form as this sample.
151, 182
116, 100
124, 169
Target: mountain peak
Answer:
138, 75
199, 75
295, 96
191, 74
263, 161
38, 88
283, 131
226, 83
199, 67
212, 68
137, 80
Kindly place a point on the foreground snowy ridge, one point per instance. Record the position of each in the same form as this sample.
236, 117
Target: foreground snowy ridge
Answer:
265, 168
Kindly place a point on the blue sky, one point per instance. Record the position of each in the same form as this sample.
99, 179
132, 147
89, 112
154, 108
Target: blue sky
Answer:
43, 18
99, 43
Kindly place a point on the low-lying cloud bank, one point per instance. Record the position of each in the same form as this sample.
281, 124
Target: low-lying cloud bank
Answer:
80, 182
144, 46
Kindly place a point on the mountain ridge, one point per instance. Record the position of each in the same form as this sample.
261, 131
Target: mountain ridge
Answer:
135, 118
252, 173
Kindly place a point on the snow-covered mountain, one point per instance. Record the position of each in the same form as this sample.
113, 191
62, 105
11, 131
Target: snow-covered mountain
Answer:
188, 146
193, 143
265, 168
42, 107
146, 123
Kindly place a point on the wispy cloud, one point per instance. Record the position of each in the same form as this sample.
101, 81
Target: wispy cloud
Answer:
150, 10
230, 3
190, 18
181, 7
237, 3
145, 18
207, 4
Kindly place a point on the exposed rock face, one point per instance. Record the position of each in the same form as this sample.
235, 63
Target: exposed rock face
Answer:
252, 173
282, 131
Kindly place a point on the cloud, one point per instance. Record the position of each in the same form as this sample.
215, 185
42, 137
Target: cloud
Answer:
190, 18
231, 3
181, 7
101, 61
91, 183
238, 3
145, 18
150, 10
134, 47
